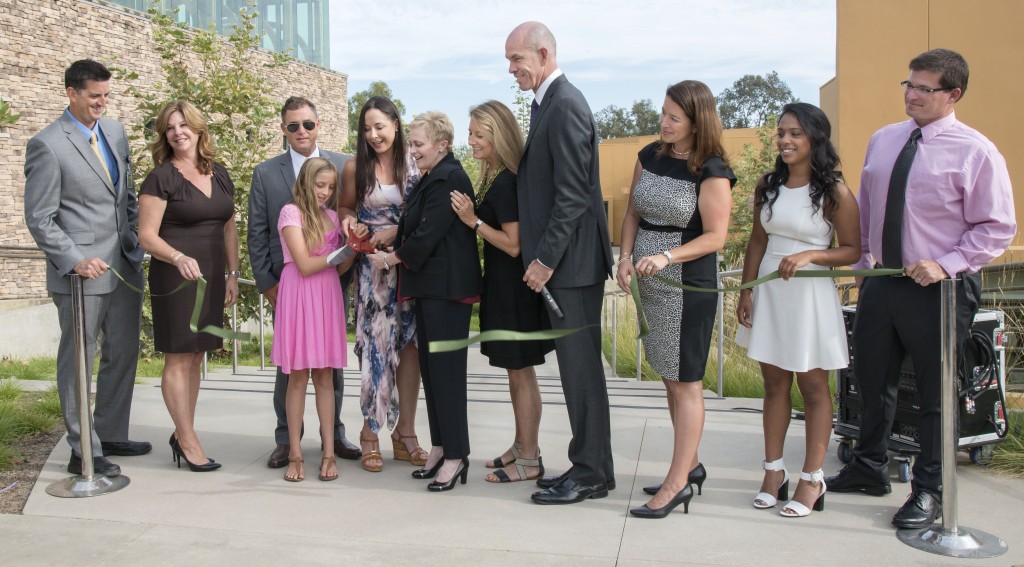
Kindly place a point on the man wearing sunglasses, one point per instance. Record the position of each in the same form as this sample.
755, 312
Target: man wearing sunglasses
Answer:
271, 190
935, 199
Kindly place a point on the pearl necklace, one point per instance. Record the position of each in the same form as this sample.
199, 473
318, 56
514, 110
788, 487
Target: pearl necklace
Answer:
680, 154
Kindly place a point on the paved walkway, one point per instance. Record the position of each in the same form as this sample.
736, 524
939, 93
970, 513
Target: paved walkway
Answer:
245, 514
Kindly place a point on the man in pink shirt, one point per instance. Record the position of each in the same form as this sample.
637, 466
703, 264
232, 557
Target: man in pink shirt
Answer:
935, 199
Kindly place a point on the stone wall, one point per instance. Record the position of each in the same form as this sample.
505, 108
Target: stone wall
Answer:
39, 39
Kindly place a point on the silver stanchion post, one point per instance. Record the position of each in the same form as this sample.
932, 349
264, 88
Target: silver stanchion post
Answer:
88, 483
615, 334
948, 538
721, 335
263, 343
234, 343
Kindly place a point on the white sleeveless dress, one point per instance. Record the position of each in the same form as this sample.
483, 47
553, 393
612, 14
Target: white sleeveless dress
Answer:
797, 324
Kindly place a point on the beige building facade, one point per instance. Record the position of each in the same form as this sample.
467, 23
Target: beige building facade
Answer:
38, 40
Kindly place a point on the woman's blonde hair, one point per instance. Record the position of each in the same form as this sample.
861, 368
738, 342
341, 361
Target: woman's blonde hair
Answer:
304, 197
160, 148
437, 125
499, 126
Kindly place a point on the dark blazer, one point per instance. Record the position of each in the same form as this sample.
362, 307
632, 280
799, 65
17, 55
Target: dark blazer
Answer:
438, 252
271, 190
562, 221
72, 210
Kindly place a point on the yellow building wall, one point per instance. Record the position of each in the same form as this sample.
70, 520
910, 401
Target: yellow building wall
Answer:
875, 41
618, 158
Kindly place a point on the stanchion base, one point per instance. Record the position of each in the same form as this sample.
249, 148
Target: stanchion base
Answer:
80, 487
966, 542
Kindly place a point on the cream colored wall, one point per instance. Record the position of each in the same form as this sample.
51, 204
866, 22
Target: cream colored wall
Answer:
618, 158
875, 41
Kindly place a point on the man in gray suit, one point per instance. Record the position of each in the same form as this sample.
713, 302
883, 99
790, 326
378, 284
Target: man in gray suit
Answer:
565, 247
271, 190
82, 210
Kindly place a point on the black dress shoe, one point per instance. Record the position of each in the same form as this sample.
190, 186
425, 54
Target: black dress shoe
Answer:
849, 480
344, 449
278, 457
100, 466
570, 491
552, 480
125, 448
919, 511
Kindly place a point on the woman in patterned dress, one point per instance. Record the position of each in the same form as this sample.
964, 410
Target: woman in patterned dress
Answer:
376, 185
676, 221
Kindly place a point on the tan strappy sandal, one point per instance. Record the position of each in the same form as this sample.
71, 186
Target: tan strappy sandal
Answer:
418, 456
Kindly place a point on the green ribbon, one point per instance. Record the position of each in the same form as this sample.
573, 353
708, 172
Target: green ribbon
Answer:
193, 323
501, 335
645, 329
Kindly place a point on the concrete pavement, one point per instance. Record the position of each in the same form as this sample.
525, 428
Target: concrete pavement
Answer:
245, 514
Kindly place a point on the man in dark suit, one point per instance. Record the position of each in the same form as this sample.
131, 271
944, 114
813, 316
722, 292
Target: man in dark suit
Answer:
271, 190
82, 210
565, 246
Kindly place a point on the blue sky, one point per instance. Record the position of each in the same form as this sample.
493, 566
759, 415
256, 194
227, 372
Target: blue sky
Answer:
449, 55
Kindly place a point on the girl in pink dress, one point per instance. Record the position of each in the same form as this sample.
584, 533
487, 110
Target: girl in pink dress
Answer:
309, 321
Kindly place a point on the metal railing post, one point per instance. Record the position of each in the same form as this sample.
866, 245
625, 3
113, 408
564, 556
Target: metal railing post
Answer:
721, 334
950, 539
615, 335
263, 344
88, 483
234, 343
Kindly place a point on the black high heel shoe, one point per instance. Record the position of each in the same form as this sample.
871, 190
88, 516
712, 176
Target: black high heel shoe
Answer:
426, 473
176, 448
682, 497
697, 476
178, 455
460, 474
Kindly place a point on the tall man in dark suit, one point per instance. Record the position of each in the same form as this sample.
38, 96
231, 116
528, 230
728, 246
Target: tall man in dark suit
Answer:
82, 210
271, 190
565, 246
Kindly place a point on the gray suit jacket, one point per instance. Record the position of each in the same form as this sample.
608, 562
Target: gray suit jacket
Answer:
73, 212
561, 213
271, 190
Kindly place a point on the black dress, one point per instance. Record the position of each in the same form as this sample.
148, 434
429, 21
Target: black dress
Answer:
506, 303
194, 225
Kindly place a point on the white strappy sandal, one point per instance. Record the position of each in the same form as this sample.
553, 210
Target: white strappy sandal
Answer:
797, 510
763, 499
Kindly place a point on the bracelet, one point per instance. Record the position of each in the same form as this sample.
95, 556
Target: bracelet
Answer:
476, 225
668, 255
175, 256
386, 266
624, 258
235, 273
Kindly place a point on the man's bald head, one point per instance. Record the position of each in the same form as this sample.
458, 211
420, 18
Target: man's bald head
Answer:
530, 50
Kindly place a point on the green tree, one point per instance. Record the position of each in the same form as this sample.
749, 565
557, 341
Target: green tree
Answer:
355, 106
754, 162
752, 100
617, 122
521, 109
227, 79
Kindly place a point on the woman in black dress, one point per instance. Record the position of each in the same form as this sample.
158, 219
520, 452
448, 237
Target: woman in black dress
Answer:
187, 224
506, 302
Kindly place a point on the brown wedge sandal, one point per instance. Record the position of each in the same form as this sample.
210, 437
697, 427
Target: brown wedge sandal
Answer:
371, 454
418, 456
299, 474
331, 461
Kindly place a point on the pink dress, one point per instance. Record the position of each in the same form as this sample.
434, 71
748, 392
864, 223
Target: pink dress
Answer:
309, 320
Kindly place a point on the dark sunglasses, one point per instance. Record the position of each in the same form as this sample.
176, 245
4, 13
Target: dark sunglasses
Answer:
293, 127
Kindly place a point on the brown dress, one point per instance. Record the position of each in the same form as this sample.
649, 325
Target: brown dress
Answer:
194, 225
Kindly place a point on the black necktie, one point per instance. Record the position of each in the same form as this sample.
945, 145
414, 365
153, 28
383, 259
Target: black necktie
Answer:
892, 229
533, 111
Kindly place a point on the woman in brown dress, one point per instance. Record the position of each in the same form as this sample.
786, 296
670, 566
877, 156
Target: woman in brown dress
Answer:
187, 224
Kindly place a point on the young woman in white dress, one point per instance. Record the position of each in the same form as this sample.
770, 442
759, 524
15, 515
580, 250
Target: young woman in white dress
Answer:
794, 326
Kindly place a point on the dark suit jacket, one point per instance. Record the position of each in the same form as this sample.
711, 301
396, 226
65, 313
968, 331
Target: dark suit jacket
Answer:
72, 210
438, 252
271, 190
561, 214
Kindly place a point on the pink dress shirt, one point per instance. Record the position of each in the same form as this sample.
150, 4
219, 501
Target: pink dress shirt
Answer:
959, 210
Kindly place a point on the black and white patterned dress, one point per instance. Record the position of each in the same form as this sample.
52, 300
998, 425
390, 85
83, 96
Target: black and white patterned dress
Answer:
665, 197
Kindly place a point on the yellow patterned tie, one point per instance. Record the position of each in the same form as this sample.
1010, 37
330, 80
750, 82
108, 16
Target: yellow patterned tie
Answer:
99, 154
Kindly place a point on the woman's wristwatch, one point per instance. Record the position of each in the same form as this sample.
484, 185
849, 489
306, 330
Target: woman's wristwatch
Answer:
235, 273
476, 225
668, 255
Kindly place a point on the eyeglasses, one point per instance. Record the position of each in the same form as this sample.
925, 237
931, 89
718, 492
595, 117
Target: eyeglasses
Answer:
907, 85
293, 127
